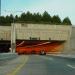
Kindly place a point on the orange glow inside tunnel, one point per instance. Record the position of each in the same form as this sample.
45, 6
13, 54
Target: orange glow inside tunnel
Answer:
26, 47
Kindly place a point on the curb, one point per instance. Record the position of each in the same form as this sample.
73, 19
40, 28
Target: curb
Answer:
71, 57
7, 56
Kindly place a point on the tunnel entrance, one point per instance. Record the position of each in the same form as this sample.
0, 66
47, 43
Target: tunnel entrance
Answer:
47, 46
4, 46
32, 46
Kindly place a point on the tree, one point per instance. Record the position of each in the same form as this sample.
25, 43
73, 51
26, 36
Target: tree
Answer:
23, 17
2, 20
28, 16
7, 19
11, 18
66, 21
56, 19
36, 17
46, 17
16, 18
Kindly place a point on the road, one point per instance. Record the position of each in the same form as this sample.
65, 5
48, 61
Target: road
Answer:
37, 65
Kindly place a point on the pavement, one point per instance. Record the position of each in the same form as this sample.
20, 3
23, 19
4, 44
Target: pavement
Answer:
38, 65
70, 56
10, 67
7, 56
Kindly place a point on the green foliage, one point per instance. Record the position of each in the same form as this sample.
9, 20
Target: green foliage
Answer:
2, 20
16, 18
36, 18
46, 17
56, 19
28, 17
66, 21
9, 19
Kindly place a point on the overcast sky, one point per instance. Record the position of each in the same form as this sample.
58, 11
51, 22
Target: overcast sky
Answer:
63, 8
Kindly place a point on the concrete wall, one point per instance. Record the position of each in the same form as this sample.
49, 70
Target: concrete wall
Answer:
72, 41
45, 32
70, 44
73, 38
5, 32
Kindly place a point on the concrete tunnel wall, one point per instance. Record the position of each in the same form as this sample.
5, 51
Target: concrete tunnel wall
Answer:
42, 31
72, 40
45, 32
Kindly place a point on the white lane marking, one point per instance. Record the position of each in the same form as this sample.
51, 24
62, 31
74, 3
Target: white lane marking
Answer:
47, 58
71, 66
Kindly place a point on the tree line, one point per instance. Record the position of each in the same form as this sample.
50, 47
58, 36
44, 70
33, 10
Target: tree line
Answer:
28, 17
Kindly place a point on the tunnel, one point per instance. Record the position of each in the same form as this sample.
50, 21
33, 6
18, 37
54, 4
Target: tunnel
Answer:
30, 46
4, 46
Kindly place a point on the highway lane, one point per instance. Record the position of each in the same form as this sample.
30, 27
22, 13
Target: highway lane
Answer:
38, 65
47, 65
11, 67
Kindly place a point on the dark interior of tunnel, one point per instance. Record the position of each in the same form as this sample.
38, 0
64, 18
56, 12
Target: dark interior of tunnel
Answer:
4, 46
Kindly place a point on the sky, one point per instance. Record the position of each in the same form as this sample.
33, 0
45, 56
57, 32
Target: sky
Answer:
63, 8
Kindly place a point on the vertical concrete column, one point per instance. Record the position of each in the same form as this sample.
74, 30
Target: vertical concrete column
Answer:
69, 41
13, 38
67, 46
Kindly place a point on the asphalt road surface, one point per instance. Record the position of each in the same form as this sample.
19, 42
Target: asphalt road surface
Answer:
37, 65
